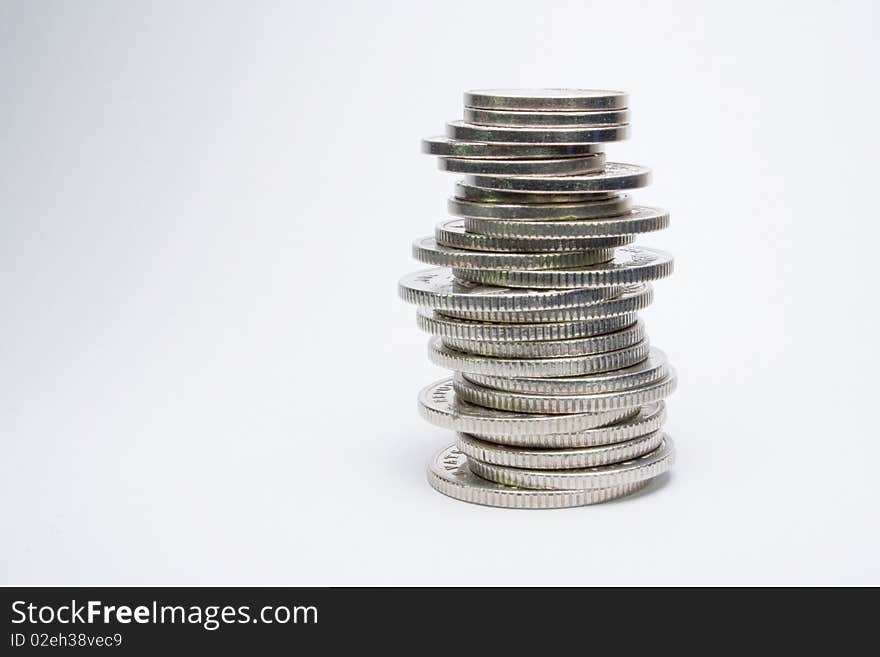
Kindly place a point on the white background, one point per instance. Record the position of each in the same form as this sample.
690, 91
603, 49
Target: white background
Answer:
208, 378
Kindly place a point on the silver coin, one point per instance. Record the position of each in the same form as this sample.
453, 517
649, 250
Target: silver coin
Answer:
439, 406
449, 474
636, 470
631, 264
526, 119
460, 361
517, 402
557, 459
428, 251
628, 301
546, 99
471, 132
446, 147
438, 288
597, 344
465, 329
539, 212
640, 219
651, 370
451, 233
616, 176
560, 167
467, 192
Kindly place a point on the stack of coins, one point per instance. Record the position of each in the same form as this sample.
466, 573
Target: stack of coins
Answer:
556, 395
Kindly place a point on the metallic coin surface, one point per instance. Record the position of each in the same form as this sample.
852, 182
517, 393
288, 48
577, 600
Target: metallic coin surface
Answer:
446, 147
557, 459
471, 132
616, 176
631, 264
449, 474
633, 471
467, 192
451, 233
539, 212
546, 99
428, 251
460, 361
529, 119
640, 219
560, 167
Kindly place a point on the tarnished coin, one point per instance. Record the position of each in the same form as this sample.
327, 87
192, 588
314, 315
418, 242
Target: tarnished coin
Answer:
446, 147
546, 99
471, 132
428, 251
628, 301
539, 212
651, 370
631, 264
633, 471
557, 459
616, 176
596, 344
438, 324
439, 406
532, 403
467, 192
640, 219
451, 233
527, 119
559, 167
460, 361
438, 288
449, 474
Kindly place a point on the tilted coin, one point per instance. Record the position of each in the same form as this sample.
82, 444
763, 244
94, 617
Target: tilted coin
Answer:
438, 324
546, 99
640, 219
449, 474
446, 147
439, 406
616, 176
451, 233
557, 459
629, 300
537, 212
467, 192
438, 288
471, 132
633, 471
651, 370
528, 119
518, 402
566, 166
596, 344
428, 251
460, 361
631, 264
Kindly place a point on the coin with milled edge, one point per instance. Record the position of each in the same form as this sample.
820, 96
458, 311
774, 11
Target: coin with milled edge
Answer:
446, 147
438, 324
471, 132
549, 100
616, 176
596, 344
428, 251
638, 220
527, 119
449, 474
460, 361
567, 166
467, 192
623, 302
452, 234
557, 459
538, 212
631, 264
633, 471
651, 370
439, 406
